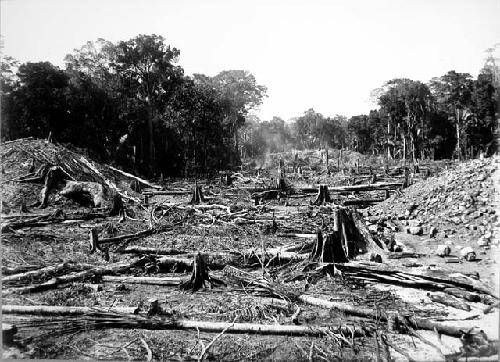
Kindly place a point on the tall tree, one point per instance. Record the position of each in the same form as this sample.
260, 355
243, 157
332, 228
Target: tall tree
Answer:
145, 65
406, 103
453, 94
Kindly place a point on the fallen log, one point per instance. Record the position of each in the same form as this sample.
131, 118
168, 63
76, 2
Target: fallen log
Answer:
108, 183
414, 322
51, 269
143, 280
49, 219
132, 321
146, 250
366, 187
350, 202
95, 242
388, 275
142, 181
449, 301
166, 193
50, 310
73, 277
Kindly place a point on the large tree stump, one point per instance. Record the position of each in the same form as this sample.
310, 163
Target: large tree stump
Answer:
329, 249
348, 237
54, 175
199, 276
86, 193
323, 196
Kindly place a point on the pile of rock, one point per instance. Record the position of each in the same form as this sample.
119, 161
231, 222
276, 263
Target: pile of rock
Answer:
459, 200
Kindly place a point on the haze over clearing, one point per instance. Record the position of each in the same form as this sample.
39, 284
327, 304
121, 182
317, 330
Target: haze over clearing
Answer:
326, 55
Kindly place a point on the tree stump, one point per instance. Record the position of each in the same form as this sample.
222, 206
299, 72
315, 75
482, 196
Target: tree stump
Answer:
329, 249
117, 207
197, 195
54, 175
226, 179
136, 186
199, 276
8, 332
94, 245
323, 196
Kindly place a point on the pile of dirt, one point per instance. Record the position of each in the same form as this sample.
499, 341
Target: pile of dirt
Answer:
458, 200
26, 158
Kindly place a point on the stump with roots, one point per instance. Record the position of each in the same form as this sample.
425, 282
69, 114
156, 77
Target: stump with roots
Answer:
54, 175
197, 195
331, 249
345, 241
323, 196
94, 245
199, 276
117, 207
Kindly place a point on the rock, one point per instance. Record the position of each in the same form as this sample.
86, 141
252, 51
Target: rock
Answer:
443, 250
415, 230
483, 241
468, 253
432, 231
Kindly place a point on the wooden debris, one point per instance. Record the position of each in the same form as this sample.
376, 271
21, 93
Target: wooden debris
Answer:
55, 175
197, 195
323, 196
199, 276
70, 278
143, 280
8, 332
50, 310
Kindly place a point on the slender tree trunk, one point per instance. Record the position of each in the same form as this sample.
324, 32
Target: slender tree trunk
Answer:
150, 136
404, 147
458, 149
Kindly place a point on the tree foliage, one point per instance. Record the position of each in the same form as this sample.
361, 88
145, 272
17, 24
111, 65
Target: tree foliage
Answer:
130, 103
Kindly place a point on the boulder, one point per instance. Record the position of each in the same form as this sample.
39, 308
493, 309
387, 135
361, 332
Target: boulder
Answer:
443, 250
468, 253
415, 230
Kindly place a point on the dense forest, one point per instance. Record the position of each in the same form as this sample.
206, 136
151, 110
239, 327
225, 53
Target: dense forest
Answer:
131, 104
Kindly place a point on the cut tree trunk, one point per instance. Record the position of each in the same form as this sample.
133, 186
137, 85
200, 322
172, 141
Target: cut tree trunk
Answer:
38, 273
323, 196
54, 175
414, 322
199, 276
86, 193
197, 195
143, 280
131, 321
50, 310
73, 277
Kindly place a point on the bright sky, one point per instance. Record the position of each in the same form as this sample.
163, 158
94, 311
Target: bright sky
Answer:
327, 55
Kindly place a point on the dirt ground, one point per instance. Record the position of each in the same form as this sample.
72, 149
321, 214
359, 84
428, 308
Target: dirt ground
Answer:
276, 222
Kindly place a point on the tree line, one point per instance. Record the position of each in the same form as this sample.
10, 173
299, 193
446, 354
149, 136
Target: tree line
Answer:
451, 116
130, 103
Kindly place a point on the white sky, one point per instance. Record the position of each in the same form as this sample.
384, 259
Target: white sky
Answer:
327, 55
